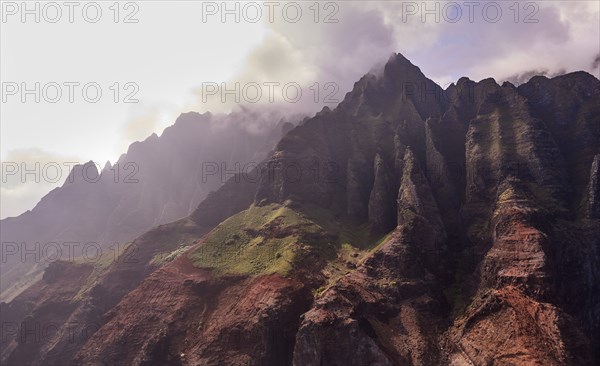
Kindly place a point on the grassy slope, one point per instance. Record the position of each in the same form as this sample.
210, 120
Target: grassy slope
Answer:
163, 244
268, 239
276, 238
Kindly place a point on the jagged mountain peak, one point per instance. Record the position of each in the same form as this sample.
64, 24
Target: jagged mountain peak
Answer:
82, 173
400, 67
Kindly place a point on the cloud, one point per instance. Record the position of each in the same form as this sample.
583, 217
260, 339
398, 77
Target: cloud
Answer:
28, 174
141, 126
535, 40
324, 59
524, 77
545, 37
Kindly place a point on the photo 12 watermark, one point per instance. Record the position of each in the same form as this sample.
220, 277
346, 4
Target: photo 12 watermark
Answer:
40, 332
471, 11
288, 171
55, 172
70, 11
69, 92
269, 92
67, 251
270, 11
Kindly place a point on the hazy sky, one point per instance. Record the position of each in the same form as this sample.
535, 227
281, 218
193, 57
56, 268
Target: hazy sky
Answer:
178, 50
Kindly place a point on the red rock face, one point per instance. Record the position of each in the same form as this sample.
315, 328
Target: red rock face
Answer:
182, 315
508, 327
487, 195
35, 318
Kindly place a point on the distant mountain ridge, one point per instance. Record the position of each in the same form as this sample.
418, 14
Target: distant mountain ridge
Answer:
158, 180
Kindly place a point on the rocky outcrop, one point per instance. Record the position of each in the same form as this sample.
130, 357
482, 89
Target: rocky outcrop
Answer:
507, 327
382, 217
388, 310
593, 193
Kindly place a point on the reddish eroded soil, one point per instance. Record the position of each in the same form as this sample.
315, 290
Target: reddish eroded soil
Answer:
32, 320
182, 315
386, 312
507, 327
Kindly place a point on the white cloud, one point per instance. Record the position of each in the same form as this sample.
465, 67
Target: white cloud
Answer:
28, 174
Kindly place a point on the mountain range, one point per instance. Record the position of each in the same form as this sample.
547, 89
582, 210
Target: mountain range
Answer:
158, 180
411, 225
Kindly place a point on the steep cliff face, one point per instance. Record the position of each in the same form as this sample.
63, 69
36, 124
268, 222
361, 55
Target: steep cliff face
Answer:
592, 197
504, 180
389, 310
409, 226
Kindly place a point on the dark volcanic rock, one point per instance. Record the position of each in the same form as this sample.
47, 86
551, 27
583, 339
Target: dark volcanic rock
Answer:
382, 217
593, 193
494, 182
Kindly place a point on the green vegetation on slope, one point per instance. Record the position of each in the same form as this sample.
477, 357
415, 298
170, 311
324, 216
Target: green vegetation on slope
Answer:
160, 245
32, 276
276, 238
100, 264
267, 239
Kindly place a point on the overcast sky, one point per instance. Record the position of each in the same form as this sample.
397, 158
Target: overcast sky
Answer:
166, 57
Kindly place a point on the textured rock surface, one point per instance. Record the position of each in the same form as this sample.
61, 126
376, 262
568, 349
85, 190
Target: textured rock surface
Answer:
486, 194
492, 181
